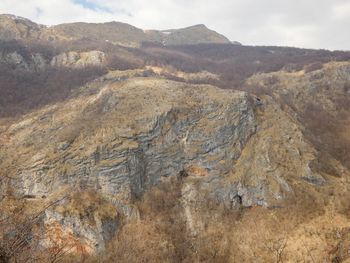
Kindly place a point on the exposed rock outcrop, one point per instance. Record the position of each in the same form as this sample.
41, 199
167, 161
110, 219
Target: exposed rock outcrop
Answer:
37, 62
127, 136
274, 160
119, 141
124, 133
78, 60
82, 222
300, 89
16, 61
320, 100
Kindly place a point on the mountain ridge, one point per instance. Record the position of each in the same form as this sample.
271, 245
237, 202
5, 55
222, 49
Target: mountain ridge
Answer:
12, 27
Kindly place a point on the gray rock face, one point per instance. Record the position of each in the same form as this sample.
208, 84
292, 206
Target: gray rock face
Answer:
146, 129
39, 62
78, 60
15, 60
120, 141
93, 236
273, 162
119, 138
81, 221
36, 61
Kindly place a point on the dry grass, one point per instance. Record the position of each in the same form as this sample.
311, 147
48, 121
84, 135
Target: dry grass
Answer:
248, 235
85, 204
306, 229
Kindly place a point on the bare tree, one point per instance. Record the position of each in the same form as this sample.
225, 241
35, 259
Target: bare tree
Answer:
20, 237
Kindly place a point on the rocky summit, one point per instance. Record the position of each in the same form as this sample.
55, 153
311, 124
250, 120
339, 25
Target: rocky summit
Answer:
187, 148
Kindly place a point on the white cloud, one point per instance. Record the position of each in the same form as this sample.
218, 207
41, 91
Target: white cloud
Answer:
341, 11
302, 23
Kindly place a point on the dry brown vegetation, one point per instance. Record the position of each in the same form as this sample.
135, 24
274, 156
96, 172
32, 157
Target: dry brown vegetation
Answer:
308, 94
21, 233
328, 135
303, 228
23, 91
247, 235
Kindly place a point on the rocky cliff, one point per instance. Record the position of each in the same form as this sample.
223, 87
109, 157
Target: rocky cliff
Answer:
150, 129
74, 59
122, 135
320, 99
124, 138
37, 62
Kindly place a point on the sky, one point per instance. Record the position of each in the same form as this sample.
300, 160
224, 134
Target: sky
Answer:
299, 23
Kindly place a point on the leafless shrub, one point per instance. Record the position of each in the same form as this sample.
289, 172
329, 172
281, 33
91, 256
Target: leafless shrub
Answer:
325, 131
277, 248
21, 234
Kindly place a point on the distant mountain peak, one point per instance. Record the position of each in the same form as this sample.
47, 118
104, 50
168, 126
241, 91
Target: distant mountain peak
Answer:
14, 17
199, 26
116, 32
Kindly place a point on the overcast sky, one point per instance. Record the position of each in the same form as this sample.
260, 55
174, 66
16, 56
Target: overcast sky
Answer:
300, 23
